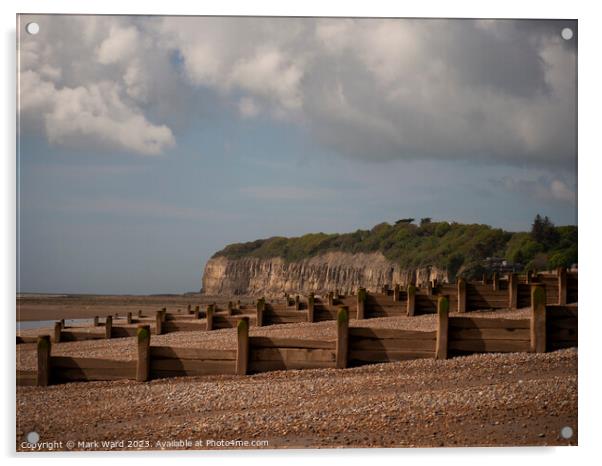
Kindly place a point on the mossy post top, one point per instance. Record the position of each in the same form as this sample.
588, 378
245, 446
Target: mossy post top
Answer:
243, 325
343, 314
443, 304
143, 332
538, 294
43, 341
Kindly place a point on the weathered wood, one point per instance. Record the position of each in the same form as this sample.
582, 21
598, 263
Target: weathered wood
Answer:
209, 317
62, 321
57, 332
461, 295
442, 327
489, 346
330, 298
27, 378
396, 293
489, 333
397, 344
139, 313
128, 318
95, 321
260, 311
44, 364
297, 303
310, 307
563, 334
390, 333
495, 282
24, 339
170, 352
342, 348
192, 366
87, 374
570, 310
242, 355
385, 356
562, 285
68, 362
562, 322
158, 323
109, 327
486, 322
411, 301
172, 326
293, 354
144, 355
429, 288
538, 319
67, 335
513, 291
270, 342
278, 365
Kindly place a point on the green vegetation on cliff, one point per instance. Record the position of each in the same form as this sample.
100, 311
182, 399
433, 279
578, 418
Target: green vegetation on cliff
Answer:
459, 248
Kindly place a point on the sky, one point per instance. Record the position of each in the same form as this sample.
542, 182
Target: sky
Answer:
146, 144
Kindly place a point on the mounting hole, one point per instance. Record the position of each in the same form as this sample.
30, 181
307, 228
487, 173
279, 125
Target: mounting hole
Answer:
566, 432
33, 437
567, 33
32, 28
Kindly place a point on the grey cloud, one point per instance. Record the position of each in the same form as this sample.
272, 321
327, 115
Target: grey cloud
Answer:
498, 92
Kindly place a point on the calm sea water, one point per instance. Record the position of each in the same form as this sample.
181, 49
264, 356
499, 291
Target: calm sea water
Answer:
24, 325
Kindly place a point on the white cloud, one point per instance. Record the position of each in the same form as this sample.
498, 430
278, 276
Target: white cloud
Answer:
121, 44
373, 89
78, 101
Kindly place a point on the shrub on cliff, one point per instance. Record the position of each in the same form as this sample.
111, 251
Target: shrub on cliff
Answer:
453, 246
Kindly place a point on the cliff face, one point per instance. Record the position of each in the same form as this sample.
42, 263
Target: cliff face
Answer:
330, 271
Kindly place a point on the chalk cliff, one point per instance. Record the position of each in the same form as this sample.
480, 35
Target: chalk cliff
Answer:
328, 271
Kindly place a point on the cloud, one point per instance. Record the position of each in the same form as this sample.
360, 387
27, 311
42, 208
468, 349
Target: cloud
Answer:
500, 92
93, 113
542, 188
247, 107
85, 92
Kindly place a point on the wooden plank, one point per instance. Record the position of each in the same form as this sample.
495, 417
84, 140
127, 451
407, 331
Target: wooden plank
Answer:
560, 344
123, 332
357, 343
553, 311
293, 354
490, 346
284, 320
484, 322
386, 333
268, 342
386, 356
490, 333
266, 366
27, 339
562, 333
27, 378
90, 374
172, 326
170, 352
68, 362
80, 336
567, 322
285, 313
193, 366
